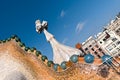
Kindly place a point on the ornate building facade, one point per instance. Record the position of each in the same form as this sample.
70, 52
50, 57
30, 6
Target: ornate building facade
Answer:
115, 25
110, 42
106, 42
91, 46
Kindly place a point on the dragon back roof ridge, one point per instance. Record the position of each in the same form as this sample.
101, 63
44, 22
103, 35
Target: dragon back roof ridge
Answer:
73, 59
66, 68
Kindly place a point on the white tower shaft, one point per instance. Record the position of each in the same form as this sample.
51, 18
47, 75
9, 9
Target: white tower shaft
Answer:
60, 52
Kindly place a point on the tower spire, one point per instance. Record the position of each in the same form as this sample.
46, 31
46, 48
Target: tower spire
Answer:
60, 52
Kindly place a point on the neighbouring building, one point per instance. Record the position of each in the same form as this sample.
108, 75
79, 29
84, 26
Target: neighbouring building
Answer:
109, 41
91, 46
106, 42
115, 25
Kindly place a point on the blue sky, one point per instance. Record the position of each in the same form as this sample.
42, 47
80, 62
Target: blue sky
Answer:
70, 21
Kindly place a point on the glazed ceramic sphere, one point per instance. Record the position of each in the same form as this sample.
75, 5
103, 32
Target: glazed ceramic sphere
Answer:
49, 63
38, 53
63, 65
89, 58
27, 48
55, 66
17, 39
107, 59
32, 49
74, 58
43, 58
22, 44
14, 36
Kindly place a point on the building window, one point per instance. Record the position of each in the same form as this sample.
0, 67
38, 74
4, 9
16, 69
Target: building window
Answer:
90, 45
100, 49
100, 42
114, 52
99, 56
118, 49
107, 36
114, 45
86, 49
109, 48
118, 43
95, 52
104, 39
103, 53
92, 49
114, 39
118, 28
96, 46
117, 31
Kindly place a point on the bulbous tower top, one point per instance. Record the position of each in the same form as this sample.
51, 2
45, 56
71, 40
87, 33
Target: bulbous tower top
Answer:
40, 26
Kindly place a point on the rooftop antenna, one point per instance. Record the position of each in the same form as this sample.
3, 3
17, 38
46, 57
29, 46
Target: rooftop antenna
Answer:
60, 52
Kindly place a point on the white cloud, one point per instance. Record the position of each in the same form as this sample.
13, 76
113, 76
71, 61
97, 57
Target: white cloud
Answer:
79, 27
62, 14
65, 40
